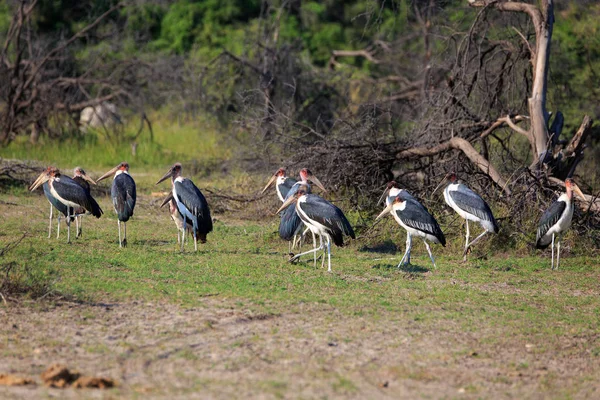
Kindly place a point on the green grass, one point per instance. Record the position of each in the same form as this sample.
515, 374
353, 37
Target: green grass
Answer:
173, 141
244, 261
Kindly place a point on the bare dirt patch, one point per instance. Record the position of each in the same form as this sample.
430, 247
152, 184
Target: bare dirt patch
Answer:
222, 350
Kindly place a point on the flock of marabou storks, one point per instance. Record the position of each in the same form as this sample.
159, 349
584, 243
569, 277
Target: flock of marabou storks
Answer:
301, 211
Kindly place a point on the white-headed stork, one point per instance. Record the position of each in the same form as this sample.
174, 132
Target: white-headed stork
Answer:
392, 190
123, 194
191, 204
84, 181
322, 218
290, 224
283, 184
470, 206
417, 221
67, 192
556, 220
176, 217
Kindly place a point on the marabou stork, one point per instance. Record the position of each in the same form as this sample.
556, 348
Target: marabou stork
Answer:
392, 190
283, 184
322, 218
60, 207
123, 194
556, 220
84, 181
67, 194
290, 225
417, 221
470, 206
191, 204
176, 216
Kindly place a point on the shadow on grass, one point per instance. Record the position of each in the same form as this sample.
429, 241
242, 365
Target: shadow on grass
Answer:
387, 247
411, 269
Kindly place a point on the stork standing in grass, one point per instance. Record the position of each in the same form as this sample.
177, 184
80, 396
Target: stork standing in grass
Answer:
392, 190
470, 206
84, 181
323, 219
556, 220
176, 217
191, 204
417, 221
67, 194
123, 194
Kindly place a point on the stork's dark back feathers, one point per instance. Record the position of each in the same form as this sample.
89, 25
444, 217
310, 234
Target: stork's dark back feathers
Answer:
123, 194
549, 218
328, 215
472, 203
193, 199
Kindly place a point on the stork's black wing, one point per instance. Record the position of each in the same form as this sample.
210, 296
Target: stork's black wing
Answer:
417, 217
549, 218
123, 193
472, 203
194, 201
57, 204
69, 190
289, 223
83, 183
320, 210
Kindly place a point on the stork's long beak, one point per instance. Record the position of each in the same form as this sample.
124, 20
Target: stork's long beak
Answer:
167, 200
39, 181
385, 211
271, 181
383, 196
167, 175
87, 178
579, 192
317, 182
109, 173
439, 185
286, 204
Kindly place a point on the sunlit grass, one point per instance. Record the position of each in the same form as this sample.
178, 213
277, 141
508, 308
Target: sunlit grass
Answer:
173, 141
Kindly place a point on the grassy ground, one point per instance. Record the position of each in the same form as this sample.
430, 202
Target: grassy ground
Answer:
496, 327
237, 320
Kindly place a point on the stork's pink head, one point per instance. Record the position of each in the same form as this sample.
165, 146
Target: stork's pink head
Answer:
280, 172
451, 176
393, 184
124, 166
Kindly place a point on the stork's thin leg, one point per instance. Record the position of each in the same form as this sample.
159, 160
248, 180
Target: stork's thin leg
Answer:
552, 265
119, 226
183, 233
58, 226
328, 254
195, 226
476, 240
68, 226
466, 242
558, 253
178, 233
406, 255
307, 252
314, 245
50, 224
407, 244
80, 230
430, 254
76, 227
324, 251
124, 234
